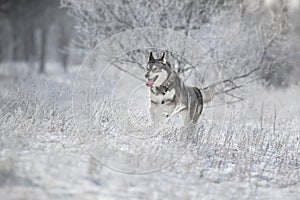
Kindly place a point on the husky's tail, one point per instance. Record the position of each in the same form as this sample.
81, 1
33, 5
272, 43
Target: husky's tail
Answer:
208, 93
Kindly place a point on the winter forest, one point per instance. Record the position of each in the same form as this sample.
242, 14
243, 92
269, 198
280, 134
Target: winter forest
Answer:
75, 110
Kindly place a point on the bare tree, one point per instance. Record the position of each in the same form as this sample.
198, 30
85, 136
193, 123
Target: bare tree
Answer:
247, 46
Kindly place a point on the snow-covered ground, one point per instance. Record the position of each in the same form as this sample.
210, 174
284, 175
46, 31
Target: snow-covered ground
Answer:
50, 150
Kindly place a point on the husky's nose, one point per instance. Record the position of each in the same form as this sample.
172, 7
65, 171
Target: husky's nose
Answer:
147, 75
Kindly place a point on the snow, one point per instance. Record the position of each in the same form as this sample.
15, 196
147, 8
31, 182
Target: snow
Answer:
50, 151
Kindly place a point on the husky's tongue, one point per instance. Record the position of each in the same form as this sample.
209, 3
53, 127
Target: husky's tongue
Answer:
150, 83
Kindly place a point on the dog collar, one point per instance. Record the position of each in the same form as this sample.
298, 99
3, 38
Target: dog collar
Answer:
160, 90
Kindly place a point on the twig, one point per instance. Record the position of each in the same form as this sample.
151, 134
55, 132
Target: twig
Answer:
131, 74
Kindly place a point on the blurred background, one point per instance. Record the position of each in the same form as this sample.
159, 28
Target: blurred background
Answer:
44, 34
36, 33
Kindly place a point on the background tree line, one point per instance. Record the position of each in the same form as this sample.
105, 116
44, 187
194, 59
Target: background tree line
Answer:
35, 31
41, 31
250, 41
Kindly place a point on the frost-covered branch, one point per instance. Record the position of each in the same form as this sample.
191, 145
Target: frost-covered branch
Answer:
245, 44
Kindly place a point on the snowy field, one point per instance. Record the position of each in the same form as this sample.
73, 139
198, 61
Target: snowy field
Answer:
49, 150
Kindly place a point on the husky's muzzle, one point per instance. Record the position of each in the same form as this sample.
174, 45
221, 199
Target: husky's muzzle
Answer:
151, 81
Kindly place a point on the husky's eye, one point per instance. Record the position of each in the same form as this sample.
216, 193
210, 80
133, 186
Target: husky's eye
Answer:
155, 69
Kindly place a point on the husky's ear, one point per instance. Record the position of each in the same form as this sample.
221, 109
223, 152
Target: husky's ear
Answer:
163, 58
151, 58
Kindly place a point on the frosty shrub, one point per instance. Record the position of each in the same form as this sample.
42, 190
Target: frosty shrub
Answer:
248, 40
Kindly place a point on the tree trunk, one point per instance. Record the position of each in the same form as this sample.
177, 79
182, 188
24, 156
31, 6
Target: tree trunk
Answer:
64, 40
43, 50
65, 58
15, 40
28, 36
31, 44
1, 54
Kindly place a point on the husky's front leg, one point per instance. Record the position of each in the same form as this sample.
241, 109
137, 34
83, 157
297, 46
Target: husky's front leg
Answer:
178, 109
155, 112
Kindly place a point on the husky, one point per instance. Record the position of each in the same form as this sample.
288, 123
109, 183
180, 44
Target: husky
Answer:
169, 95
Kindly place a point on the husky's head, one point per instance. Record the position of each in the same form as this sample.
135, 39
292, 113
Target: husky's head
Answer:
157, 71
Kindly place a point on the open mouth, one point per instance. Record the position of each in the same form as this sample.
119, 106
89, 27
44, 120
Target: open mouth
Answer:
151, 81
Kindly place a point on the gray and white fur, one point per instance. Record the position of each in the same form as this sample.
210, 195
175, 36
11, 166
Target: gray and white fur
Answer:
170, 96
